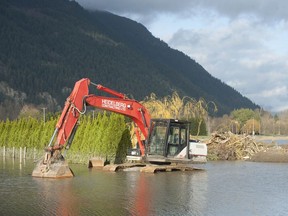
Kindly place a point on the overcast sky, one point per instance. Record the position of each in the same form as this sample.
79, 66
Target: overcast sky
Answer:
244, 43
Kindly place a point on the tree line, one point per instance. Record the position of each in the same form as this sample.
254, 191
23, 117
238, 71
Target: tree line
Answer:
110, 135
106, 135
248, 121
100, 133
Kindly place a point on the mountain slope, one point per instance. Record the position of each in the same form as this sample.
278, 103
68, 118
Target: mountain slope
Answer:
47, 45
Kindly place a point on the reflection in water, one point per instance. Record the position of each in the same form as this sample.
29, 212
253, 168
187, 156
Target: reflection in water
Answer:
166, 193
139, 204
198, 192
3, 163
56, 196
142, 197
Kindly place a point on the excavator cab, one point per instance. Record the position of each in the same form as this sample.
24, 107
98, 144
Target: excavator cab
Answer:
169, 142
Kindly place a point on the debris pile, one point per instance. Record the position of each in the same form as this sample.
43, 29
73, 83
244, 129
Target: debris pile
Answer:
229, 146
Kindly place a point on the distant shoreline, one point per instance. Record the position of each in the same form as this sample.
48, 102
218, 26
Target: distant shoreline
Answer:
272, 138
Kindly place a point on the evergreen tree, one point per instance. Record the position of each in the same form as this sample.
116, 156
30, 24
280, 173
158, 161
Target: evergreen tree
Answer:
123, 146
12, 134
97, 130
3, 133
197, 127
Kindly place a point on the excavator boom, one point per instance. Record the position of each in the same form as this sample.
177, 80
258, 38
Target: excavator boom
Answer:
66, 126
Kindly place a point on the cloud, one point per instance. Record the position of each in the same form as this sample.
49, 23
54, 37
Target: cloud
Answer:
222, 49
274, 95
144, 12
238, 54
266, 9
138, 6
277, 91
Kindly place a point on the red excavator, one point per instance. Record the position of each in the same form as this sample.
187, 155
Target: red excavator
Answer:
166, 140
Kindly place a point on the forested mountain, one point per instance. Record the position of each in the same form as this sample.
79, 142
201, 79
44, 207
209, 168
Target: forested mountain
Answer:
47, 45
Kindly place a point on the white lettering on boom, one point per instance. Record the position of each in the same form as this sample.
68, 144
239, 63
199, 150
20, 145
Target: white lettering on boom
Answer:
113, 105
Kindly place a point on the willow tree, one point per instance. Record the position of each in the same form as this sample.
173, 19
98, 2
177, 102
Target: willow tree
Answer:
178, 108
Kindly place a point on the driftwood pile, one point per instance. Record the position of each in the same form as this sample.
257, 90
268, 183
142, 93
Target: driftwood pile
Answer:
229, 146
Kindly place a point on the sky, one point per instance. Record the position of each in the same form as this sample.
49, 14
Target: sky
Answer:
244, 43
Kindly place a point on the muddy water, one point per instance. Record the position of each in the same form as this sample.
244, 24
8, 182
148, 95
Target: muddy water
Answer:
224, 188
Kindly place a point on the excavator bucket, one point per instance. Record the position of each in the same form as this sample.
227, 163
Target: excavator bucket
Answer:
52, 168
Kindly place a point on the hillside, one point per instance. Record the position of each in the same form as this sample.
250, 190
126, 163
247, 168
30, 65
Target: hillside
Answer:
47, 45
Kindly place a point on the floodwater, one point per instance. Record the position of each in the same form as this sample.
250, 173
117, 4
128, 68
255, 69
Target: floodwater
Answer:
276, 141
223, 188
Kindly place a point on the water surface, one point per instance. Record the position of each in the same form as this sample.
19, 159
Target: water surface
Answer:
224, 188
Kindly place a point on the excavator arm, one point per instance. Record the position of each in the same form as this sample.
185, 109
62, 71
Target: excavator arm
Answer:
79, 98
76, 104
72, 110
